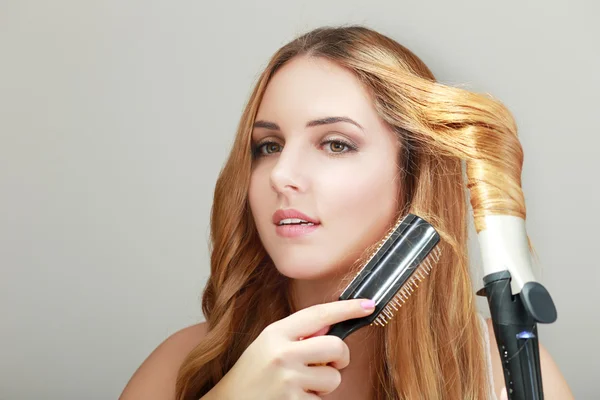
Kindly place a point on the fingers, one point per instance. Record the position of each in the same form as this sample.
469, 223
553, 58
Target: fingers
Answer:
307, 321
308, 396
324, 349
320, 332
320, 380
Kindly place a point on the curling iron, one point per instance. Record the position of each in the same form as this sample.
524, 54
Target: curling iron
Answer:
516, 302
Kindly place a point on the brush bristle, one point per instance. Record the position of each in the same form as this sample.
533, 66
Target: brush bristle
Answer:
420, 274
382, 242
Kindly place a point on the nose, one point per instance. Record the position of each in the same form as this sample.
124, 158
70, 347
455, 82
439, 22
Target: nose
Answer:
288, 173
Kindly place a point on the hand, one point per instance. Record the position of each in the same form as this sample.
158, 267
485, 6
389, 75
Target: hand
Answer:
281, 362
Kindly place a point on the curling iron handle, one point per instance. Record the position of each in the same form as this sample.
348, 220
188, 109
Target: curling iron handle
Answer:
514, 319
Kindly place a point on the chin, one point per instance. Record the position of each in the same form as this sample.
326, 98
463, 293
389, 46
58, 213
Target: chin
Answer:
307, 270
303, 272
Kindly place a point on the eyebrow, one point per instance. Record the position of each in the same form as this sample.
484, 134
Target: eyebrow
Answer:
317, 122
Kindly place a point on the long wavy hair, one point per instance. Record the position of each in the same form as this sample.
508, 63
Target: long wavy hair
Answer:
434, 347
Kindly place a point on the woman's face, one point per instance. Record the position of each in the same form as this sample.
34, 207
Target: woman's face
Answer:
342, 176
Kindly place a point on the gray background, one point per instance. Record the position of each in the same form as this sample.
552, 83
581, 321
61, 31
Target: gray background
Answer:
116, 116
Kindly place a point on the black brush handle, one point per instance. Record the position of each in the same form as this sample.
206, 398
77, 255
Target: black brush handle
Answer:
345, 328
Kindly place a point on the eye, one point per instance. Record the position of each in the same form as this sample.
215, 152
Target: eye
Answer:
338, 146
335, 147
266, 148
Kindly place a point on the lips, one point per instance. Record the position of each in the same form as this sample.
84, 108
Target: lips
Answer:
291, 213
295, 231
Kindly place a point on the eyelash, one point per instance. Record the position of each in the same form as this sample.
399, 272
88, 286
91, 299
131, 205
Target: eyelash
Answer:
256, 150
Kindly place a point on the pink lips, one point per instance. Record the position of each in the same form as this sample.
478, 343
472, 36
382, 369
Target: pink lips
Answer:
291, 231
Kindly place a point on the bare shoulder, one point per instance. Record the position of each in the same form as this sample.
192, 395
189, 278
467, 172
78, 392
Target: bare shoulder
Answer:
555, 385
155, 378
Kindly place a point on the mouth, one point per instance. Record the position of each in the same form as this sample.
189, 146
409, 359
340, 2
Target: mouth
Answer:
295, 229
292, 217
295, 221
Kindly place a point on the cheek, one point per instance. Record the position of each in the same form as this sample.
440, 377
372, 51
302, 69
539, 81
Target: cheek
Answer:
262, 200
256, 196
362, 195
360, 211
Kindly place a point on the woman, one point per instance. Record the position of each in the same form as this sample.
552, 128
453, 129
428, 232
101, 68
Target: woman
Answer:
345, 131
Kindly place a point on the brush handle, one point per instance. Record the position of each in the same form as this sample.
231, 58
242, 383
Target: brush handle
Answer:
344, 328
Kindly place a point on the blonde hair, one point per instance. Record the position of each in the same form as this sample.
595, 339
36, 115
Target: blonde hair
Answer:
433, 348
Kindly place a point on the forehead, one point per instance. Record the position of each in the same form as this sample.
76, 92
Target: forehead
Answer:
311, 87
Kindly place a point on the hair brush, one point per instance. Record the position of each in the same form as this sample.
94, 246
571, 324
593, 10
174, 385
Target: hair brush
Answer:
402, 259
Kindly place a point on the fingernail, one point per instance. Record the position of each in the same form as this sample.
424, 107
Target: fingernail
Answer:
368, 304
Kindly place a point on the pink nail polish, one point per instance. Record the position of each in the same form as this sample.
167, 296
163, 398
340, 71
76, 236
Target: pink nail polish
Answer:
368, 304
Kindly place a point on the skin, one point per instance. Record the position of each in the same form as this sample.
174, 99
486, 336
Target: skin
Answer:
350, 188
351, 192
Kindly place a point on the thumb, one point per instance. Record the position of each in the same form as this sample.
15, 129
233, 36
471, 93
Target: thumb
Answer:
503, 394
